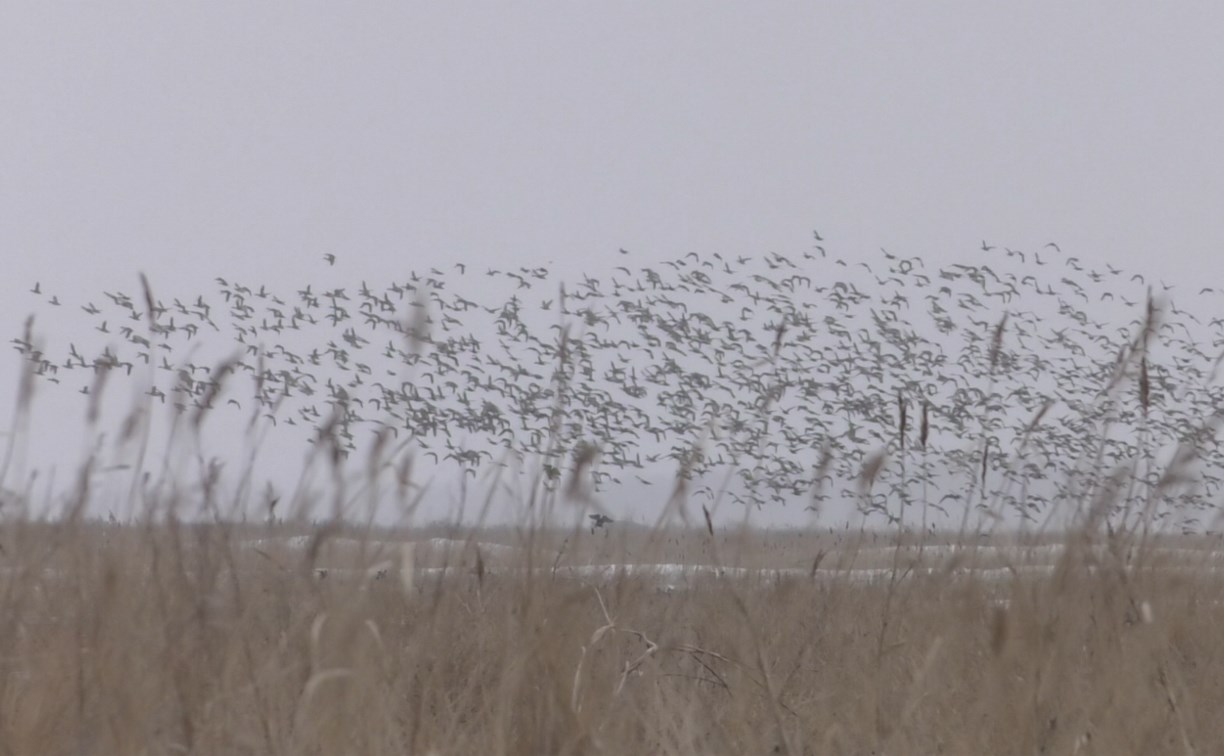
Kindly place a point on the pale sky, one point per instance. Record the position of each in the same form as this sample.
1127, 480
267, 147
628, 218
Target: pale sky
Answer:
246, 140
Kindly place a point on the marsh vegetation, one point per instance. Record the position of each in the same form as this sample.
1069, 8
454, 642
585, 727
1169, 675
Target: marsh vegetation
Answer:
1031, 564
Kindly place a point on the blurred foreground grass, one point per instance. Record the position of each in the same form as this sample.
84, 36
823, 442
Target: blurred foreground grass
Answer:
188, 638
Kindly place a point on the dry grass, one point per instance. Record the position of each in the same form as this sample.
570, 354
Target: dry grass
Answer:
200, 639
204, 636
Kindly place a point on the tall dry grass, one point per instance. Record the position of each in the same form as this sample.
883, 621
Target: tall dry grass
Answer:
201, 639
184, 631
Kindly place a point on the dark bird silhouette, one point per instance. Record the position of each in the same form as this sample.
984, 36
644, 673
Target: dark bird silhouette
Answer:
599, 520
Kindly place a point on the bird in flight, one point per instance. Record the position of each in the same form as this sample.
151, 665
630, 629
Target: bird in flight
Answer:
330, 258
599, 520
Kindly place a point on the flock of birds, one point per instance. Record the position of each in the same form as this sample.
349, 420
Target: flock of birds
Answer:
988, 382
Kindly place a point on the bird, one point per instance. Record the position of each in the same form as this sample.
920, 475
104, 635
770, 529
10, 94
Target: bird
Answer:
599, 520
330, 258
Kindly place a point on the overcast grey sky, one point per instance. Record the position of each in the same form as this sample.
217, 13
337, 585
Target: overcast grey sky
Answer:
248, 139
190, 139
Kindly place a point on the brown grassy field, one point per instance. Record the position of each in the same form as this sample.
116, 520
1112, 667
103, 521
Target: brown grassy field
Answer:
226, 639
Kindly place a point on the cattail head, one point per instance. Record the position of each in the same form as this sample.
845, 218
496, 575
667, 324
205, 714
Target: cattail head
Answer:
1144, 385
985, 463
901, 409
150, 310
996, 342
